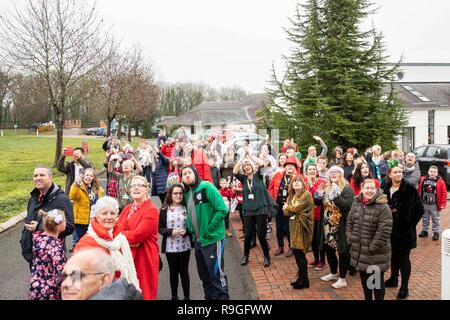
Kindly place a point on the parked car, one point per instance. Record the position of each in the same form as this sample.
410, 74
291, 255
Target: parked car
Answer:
255, 141
91, 131
101, 132
434, 154
155, 132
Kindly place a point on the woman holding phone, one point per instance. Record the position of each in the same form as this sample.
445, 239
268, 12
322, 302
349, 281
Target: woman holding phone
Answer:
124, 179
84, 193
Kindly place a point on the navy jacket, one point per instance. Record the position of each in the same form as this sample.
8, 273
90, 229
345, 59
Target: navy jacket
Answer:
54, 199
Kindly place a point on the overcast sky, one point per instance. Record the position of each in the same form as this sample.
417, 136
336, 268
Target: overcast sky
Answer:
235, 42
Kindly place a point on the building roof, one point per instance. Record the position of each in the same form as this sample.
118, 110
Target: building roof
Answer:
221, 112
424, 94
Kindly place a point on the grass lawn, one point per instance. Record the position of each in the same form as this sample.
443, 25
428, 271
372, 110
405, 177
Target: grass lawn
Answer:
19, 155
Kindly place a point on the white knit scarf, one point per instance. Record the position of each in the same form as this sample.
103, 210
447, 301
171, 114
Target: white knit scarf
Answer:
120, 251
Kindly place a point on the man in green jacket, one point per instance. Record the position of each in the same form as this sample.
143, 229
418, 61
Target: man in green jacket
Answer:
205, 221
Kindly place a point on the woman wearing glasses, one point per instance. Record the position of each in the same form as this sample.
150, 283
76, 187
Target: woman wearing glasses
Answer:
176, 242
105, 233
140, 226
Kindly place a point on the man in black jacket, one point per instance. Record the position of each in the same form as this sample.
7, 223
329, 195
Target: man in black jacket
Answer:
46, 196
73, 168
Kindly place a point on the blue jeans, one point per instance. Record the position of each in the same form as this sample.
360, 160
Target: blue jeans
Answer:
78, 233
210, 265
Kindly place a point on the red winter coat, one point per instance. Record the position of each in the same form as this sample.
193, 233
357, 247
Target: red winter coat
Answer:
441, 192
141, 228
275, 183
167, 150
226, 193
201, 163
313, 190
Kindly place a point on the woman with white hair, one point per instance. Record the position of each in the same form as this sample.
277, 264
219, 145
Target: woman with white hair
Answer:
335, 198
124, 179
105, 233
255, 206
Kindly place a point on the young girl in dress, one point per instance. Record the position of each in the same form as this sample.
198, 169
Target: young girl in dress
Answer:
49, 257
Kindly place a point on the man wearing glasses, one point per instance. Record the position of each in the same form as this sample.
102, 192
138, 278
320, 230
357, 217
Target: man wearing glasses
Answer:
89, 274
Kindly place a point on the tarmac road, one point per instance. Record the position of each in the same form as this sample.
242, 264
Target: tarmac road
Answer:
14, 272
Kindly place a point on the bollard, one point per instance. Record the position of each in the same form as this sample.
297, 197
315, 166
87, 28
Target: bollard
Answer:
1, 132
445, 268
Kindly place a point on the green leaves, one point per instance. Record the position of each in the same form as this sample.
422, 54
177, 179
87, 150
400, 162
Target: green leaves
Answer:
334, 80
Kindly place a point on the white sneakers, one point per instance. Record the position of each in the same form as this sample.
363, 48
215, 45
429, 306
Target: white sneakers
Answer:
341, 283
329, 277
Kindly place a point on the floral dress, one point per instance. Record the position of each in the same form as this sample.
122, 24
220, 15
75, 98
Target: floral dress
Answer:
48, 262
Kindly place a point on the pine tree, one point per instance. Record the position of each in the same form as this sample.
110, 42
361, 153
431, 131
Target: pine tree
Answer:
335, 81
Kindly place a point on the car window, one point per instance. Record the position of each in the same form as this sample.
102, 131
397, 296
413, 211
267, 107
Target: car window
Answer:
419, 151
444, 153
432, 152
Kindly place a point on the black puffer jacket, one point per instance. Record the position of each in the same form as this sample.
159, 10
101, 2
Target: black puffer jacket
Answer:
54, 199
407, 210
369, 229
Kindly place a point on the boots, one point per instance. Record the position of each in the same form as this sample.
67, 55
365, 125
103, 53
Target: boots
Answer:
303, 283
392, 282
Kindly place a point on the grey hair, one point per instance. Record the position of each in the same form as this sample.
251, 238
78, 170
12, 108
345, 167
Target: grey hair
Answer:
49, 170
100, 261
105, 202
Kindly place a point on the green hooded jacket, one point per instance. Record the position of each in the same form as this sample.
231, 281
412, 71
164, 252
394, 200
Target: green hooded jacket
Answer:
210, 211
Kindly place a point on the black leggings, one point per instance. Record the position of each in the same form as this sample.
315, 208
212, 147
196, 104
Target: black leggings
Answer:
400, 262
378, 293
344, 261
302, 264
162, 197
179, 264
227, 221
239, 208
261, 230
319, 255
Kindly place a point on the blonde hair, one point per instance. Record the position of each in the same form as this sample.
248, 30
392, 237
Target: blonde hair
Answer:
141, 178
341, 183
49, 222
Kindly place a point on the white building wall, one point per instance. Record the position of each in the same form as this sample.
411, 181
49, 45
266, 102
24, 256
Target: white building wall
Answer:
441, 122
419, 120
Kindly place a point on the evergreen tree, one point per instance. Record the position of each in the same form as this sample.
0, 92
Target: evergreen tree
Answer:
336, 83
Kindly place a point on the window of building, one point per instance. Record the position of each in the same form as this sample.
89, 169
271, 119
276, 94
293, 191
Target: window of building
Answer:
430, 126
192, 129
408, 140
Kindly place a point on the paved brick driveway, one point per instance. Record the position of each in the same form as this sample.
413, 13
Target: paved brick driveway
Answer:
273, 283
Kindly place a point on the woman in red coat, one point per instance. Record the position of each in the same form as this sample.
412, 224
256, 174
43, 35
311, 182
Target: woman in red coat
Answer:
140, 226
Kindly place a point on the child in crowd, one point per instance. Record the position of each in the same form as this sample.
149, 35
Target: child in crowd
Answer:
49, 257
433, 192
227, 195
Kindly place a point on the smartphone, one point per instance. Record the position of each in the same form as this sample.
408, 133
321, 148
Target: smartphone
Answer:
69, 151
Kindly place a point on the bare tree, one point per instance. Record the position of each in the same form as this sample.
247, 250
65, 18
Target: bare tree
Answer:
5, 81
63, 41
29, 97
142, 91
111, 86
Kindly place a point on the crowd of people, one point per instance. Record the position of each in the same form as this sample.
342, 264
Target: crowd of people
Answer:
356, 212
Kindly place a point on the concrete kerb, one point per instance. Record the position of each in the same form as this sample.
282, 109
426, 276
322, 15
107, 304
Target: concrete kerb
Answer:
12, 222
15, 220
